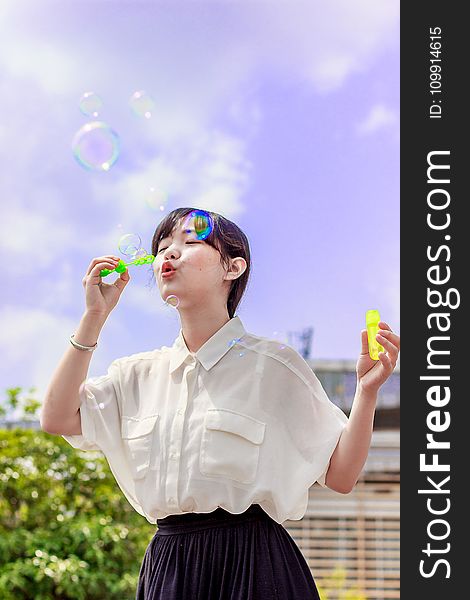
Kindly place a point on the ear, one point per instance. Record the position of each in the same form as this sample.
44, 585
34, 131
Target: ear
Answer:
237, 268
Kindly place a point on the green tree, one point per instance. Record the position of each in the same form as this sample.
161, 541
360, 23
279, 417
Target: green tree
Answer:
66, 530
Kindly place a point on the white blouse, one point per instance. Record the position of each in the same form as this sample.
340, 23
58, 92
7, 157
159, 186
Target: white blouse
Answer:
242, 421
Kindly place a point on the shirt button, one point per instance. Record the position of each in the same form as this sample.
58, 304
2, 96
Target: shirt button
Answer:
180, 411
171, 500
173, 456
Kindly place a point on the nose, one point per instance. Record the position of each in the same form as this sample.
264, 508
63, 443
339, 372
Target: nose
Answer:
169, 255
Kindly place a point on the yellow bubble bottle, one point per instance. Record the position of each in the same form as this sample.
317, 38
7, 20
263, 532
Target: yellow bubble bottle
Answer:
372, 325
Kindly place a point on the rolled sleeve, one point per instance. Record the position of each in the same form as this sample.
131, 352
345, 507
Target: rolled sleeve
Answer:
332, 422
312, 422
99, 412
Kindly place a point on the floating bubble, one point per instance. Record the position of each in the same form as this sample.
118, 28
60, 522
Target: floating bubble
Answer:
172, 300
90, 104
96, 146
280, 338
141, 252
142, 104
83, 397
156, 199
200, 223
233, 342
129, 244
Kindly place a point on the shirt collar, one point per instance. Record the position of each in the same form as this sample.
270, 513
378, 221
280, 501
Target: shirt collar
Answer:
212, 350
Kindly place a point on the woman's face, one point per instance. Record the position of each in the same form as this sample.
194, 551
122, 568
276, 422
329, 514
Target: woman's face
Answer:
198, 269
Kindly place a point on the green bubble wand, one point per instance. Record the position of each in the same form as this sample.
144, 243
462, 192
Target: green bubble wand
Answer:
121, 266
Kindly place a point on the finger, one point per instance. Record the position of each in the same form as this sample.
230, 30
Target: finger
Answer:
393, 337
384, 325
95, 272
364, 342
122, 281
388, 345
106, 258
386, 362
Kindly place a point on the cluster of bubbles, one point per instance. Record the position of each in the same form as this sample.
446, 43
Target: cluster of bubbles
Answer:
96, 145
130, 244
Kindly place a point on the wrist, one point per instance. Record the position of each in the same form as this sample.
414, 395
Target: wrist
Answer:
94, 318
367, 394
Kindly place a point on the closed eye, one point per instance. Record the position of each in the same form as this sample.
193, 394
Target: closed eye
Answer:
186, 242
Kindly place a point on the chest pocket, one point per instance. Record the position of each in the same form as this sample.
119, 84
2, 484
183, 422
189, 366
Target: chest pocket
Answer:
141, 442
230, 445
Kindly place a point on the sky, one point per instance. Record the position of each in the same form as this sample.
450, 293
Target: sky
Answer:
282, 116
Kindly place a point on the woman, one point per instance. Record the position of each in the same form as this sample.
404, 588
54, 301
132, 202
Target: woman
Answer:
217, 439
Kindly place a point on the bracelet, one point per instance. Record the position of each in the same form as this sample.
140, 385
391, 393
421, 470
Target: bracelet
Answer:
80, 346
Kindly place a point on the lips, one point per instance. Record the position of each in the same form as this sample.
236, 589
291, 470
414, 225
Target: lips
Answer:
168, 274
167, 268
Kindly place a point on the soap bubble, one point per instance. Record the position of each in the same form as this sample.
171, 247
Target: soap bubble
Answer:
200, 223
129, 244
233, 342
280, 338
90, 104
83, 397
239, 350
142, 104
96, 146
172, 300
156, 198
141, 252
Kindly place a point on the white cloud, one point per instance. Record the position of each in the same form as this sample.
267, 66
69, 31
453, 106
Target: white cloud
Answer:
321, 43
34, 341
32, 240
379, 117
209, 171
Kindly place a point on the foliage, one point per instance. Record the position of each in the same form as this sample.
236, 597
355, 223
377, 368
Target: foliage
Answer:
26, 402
334, 587
66, 530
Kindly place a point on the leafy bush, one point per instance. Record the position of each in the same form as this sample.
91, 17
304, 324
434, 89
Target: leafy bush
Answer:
334, 587
66, 530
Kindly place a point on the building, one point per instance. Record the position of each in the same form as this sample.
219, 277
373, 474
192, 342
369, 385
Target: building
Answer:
358, 532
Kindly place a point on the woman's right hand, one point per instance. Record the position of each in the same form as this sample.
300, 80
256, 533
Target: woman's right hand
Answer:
101, 297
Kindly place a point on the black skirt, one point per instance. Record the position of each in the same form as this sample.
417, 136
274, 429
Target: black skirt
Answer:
224, 556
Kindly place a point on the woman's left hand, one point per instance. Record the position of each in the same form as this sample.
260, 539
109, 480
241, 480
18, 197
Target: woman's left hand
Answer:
371, 374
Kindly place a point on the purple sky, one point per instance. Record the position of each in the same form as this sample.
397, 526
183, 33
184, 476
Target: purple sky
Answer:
282, 116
